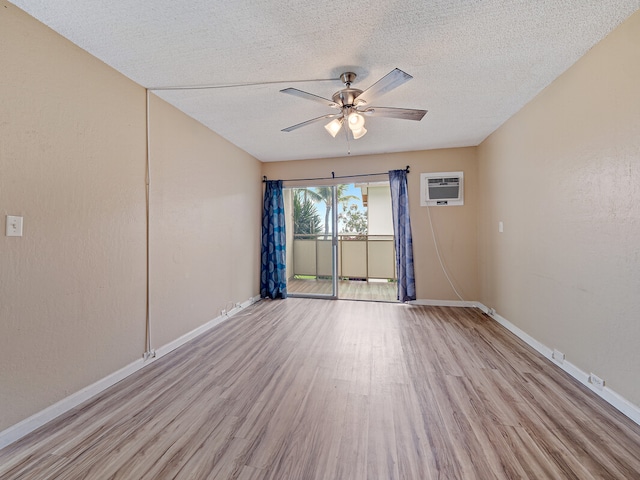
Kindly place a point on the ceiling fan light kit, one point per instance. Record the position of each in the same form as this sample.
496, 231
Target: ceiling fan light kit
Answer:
356, 121
358, 133
351, 103
356, 124
334, 126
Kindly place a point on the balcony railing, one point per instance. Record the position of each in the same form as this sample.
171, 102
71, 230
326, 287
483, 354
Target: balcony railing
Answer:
362, 257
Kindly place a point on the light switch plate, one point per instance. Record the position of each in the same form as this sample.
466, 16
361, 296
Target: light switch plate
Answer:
14, 226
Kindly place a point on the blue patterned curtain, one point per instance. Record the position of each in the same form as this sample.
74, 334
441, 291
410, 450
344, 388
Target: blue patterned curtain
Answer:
402, 233
273, 272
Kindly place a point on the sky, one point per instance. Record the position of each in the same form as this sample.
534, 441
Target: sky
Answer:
351, 190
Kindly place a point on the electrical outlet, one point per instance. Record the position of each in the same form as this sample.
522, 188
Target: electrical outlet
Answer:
558, 356
596, 381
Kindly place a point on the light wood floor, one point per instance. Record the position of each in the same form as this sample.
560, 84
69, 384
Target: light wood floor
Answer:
318, 389
347, 289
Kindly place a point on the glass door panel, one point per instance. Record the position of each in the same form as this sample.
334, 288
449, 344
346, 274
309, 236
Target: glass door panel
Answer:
365, 243
311, 241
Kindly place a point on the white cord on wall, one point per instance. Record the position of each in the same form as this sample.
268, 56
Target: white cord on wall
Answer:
149, 351
433, 234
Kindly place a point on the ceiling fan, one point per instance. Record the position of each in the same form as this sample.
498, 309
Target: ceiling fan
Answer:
353, 104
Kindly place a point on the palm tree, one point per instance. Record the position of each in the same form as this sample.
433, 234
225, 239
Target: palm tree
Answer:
325, 195
305, 216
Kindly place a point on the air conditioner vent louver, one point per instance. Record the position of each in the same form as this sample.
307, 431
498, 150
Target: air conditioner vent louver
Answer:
442, 189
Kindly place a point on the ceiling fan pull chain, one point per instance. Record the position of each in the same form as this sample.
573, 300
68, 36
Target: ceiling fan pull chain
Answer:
346, 133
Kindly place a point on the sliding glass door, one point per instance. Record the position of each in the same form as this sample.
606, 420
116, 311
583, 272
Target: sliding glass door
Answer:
340, 242
311, 241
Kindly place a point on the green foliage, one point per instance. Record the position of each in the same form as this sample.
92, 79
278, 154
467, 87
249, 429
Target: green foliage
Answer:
353, 220
306, 220
325, 195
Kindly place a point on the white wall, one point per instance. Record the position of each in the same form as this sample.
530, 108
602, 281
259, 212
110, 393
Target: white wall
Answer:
379, 210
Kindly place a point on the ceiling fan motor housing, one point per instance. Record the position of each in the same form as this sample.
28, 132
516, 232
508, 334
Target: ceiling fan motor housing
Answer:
346, 97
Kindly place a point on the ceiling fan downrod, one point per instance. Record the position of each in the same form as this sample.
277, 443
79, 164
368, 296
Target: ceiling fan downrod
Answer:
348, 78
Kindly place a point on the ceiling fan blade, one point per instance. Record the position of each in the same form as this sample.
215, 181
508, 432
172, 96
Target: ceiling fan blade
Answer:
391, 80
389, 112
310, 96
313, 120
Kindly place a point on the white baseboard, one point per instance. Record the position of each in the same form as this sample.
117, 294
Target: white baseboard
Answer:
610, 396
522, 335
442, 303
37, 420
178, 342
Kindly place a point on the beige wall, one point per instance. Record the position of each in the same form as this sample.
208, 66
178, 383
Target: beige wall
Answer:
72, 162
72, 289
564, 176
455, 227
205, 224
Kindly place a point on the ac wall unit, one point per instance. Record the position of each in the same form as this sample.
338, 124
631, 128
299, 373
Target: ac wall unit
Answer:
441, 189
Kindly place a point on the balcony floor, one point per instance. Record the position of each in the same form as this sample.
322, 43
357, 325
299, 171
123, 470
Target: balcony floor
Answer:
347, 289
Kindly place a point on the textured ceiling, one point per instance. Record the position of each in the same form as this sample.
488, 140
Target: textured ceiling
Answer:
475, 63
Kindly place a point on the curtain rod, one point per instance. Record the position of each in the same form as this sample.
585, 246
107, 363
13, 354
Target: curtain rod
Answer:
333, 176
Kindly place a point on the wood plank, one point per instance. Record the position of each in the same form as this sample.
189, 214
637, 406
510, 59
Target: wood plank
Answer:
354, 439
347, 289
321, 389
415, 457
